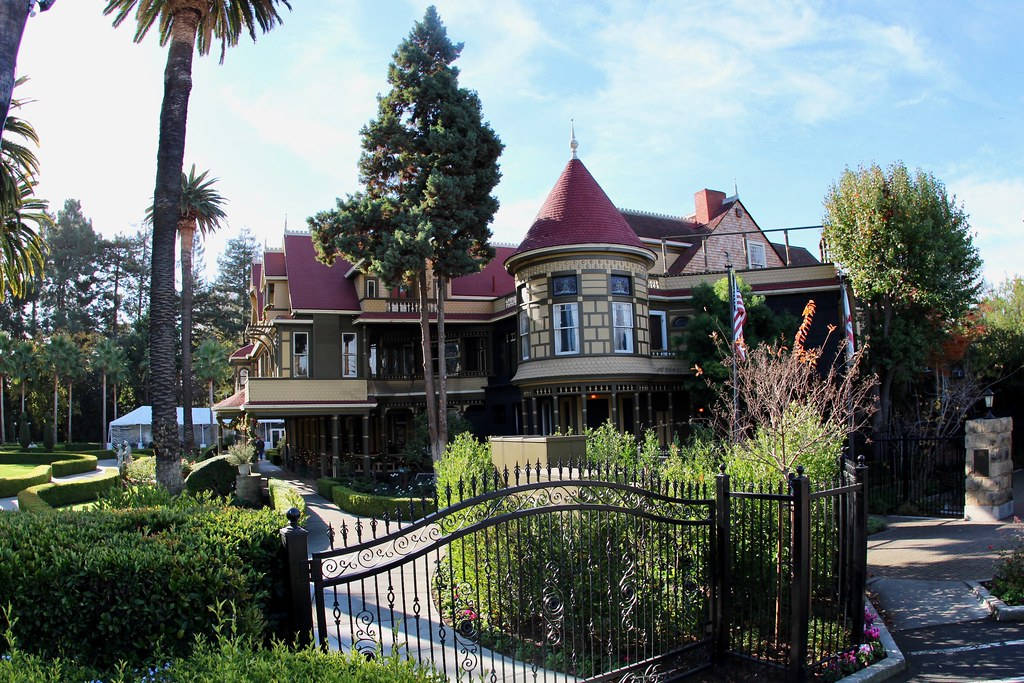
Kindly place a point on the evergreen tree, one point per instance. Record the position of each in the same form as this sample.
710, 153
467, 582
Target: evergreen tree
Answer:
428, 166
907, 248
231, 288
70, 295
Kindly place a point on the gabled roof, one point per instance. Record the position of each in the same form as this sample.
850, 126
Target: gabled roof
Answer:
311, 284
798, 256
274, 264
235, 400
242, 353
655, 226
493, 280
577, 211
257, 281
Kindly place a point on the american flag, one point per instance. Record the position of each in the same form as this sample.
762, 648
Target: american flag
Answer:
739, 317
848, 327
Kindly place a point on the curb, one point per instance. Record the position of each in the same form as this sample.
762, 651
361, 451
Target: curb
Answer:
893, 664
999, 609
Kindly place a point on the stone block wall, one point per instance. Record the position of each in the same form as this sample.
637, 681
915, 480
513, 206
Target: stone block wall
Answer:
989, 495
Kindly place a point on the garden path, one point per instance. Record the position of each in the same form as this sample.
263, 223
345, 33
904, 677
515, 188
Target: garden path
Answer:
11, 504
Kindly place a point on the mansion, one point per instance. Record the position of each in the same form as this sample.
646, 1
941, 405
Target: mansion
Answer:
571, 328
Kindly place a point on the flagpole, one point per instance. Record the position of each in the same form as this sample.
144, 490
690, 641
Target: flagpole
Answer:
732, 345
849, 351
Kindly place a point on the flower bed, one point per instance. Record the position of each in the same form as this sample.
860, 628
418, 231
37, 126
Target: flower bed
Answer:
860, 657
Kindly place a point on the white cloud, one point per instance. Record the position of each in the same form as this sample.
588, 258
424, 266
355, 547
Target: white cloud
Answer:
996, 210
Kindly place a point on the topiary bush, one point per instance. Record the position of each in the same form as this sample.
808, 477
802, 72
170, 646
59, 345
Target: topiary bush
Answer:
109, 585
24, 432
44, 497
284, 496
48, 441
11, 485
216, 475
369, 505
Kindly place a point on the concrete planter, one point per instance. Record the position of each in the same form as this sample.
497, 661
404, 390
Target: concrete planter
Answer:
999, 609
509, 451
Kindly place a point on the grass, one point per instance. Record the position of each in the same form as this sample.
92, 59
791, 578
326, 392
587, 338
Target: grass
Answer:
15, 470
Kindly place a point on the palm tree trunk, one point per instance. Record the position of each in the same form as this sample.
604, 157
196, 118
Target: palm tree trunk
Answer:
214, 425
3, 418
115, 400
103, 424
166, 202
186, 229
13, 16
428, 366
56, 383
442, 369
23, 395
67, 439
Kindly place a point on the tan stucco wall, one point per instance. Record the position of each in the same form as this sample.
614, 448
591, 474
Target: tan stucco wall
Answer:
305, 390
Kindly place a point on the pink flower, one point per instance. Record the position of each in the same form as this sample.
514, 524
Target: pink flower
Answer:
873, 633
865, 649
469, 613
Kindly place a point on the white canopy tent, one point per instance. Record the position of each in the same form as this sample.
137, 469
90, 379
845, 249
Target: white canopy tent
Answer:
136, 427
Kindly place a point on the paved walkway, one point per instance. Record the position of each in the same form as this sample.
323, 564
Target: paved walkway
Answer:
918, 570
11, 504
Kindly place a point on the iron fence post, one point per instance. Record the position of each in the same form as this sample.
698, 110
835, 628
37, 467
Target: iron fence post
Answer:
296, 542
858, 575
722, 582
800, 584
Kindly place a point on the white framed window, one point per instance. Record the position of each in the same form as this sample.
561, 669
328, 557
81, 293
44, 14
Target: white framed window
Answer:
243, 377
755, 255
373, 360
567, 329
524, 334
371, 288
349, 359
659, 331
300, 364
270, 296
622, 327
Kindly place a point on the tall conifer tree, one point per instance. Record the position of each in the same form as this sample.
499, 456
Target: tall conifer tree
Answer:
428, 167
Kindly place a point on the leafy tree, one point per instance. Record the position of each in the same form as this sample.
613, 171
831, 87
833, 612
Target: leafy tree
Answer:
6, 346
22, 215
69, 294
997, 355
212, 369
13, 17
107, 359
63, 361
183, 25
231, 288
202, 208
705, 340
907, 248
120, 265
428, 166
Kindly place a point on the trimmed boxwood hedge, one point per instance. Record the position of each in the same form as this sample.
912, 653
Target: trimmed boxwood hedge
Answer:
10, 486
108, 585
369, 505
284, 496
324, 486
63, 464
45, 497
215, 475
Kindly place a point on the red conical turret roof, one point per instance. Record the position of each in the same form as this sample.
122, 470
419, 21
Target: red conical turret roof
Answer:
577, 211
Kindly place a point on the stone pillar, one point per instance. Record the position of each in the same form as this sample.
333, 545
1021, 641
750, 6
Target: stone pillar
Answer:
534, 422
637, 429
988, 480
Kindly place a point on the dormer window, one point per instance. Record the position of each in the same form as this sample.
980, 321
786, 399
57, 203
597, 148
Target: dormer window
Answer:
371, 288
755, 255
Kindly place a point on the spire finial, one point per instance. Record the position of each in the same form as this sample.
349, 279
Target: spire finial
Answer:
573, 145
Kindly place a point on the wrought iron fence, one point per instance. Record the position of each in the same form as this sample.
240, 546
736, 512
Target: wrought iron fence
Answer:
598, 573
917, 476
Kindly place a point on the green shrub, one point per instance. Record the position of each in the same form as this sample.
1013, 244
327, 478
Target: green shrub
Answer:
216, 475
1008, 578
803, 440
9, 486
60, 494
284, 496
63, 464
464, 459
696, 462
141, 470
325, 485
24, 433
369, 505
48, 440
110, 585
608, 445
82, 446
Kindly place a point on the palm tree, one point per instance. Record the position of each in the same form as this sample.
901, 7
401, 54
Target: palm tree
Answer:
212, 367
183, 24
5, 369
63, 360
24, 365
22, 216
202, 208
108, 359
13, 17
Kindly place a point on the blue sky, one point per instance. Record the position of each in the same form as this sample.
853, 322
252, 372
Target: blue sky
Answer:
668, 98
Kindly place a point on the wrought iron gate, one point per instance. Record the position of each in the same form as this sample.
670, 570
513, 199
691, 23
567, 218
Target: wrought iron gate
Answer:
556, 575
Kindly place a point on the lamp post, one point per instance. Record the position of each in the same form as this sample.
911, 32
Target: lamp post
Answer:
989, 397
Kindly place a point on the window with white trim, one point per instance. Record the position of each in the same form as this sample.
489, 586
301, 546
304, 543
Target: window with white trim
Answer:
756, 255
659, 331
622, 327
349, 359
567, 329
300, 364
524, 334
371, 288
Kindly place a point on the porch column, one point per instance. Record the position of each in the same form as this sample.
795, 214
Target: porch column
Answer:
583, 411
615, 409
554, 412
650, 408
671, 420
366, 433
322, 425
335, 438
533, 416
637, 427
524, 418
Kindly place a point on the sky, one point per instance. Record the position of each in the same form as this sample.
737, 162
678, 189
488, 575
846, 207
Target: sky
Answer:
773, 99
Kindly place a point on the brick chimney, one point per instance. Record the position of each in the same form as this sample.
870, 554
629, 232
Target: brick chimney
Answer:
708, 204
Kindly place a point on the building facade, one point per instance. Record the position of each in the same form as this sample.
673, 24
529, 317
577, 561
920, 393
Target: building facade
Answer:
572, 327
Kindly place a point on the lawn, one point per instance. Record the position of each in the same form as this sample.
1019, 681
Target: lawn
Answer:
15, 470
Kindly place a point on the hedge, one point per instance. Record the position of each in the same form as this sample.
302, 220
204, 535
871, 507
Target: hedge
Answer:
108, 585
215, 475
63, 464
325, 485
10, 486
284, 496
232, 660
369, 505
44, 497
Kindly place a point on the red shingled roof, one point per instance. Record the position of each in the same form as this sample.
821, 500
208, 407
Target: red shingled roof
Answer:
311, 284
492, 281
257, 280
243, 352
577, 211
274, 263
235, 400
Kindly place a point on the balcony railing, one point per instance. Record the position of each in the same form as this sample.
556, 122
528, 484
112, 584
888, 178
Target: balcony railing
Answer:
400, 305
